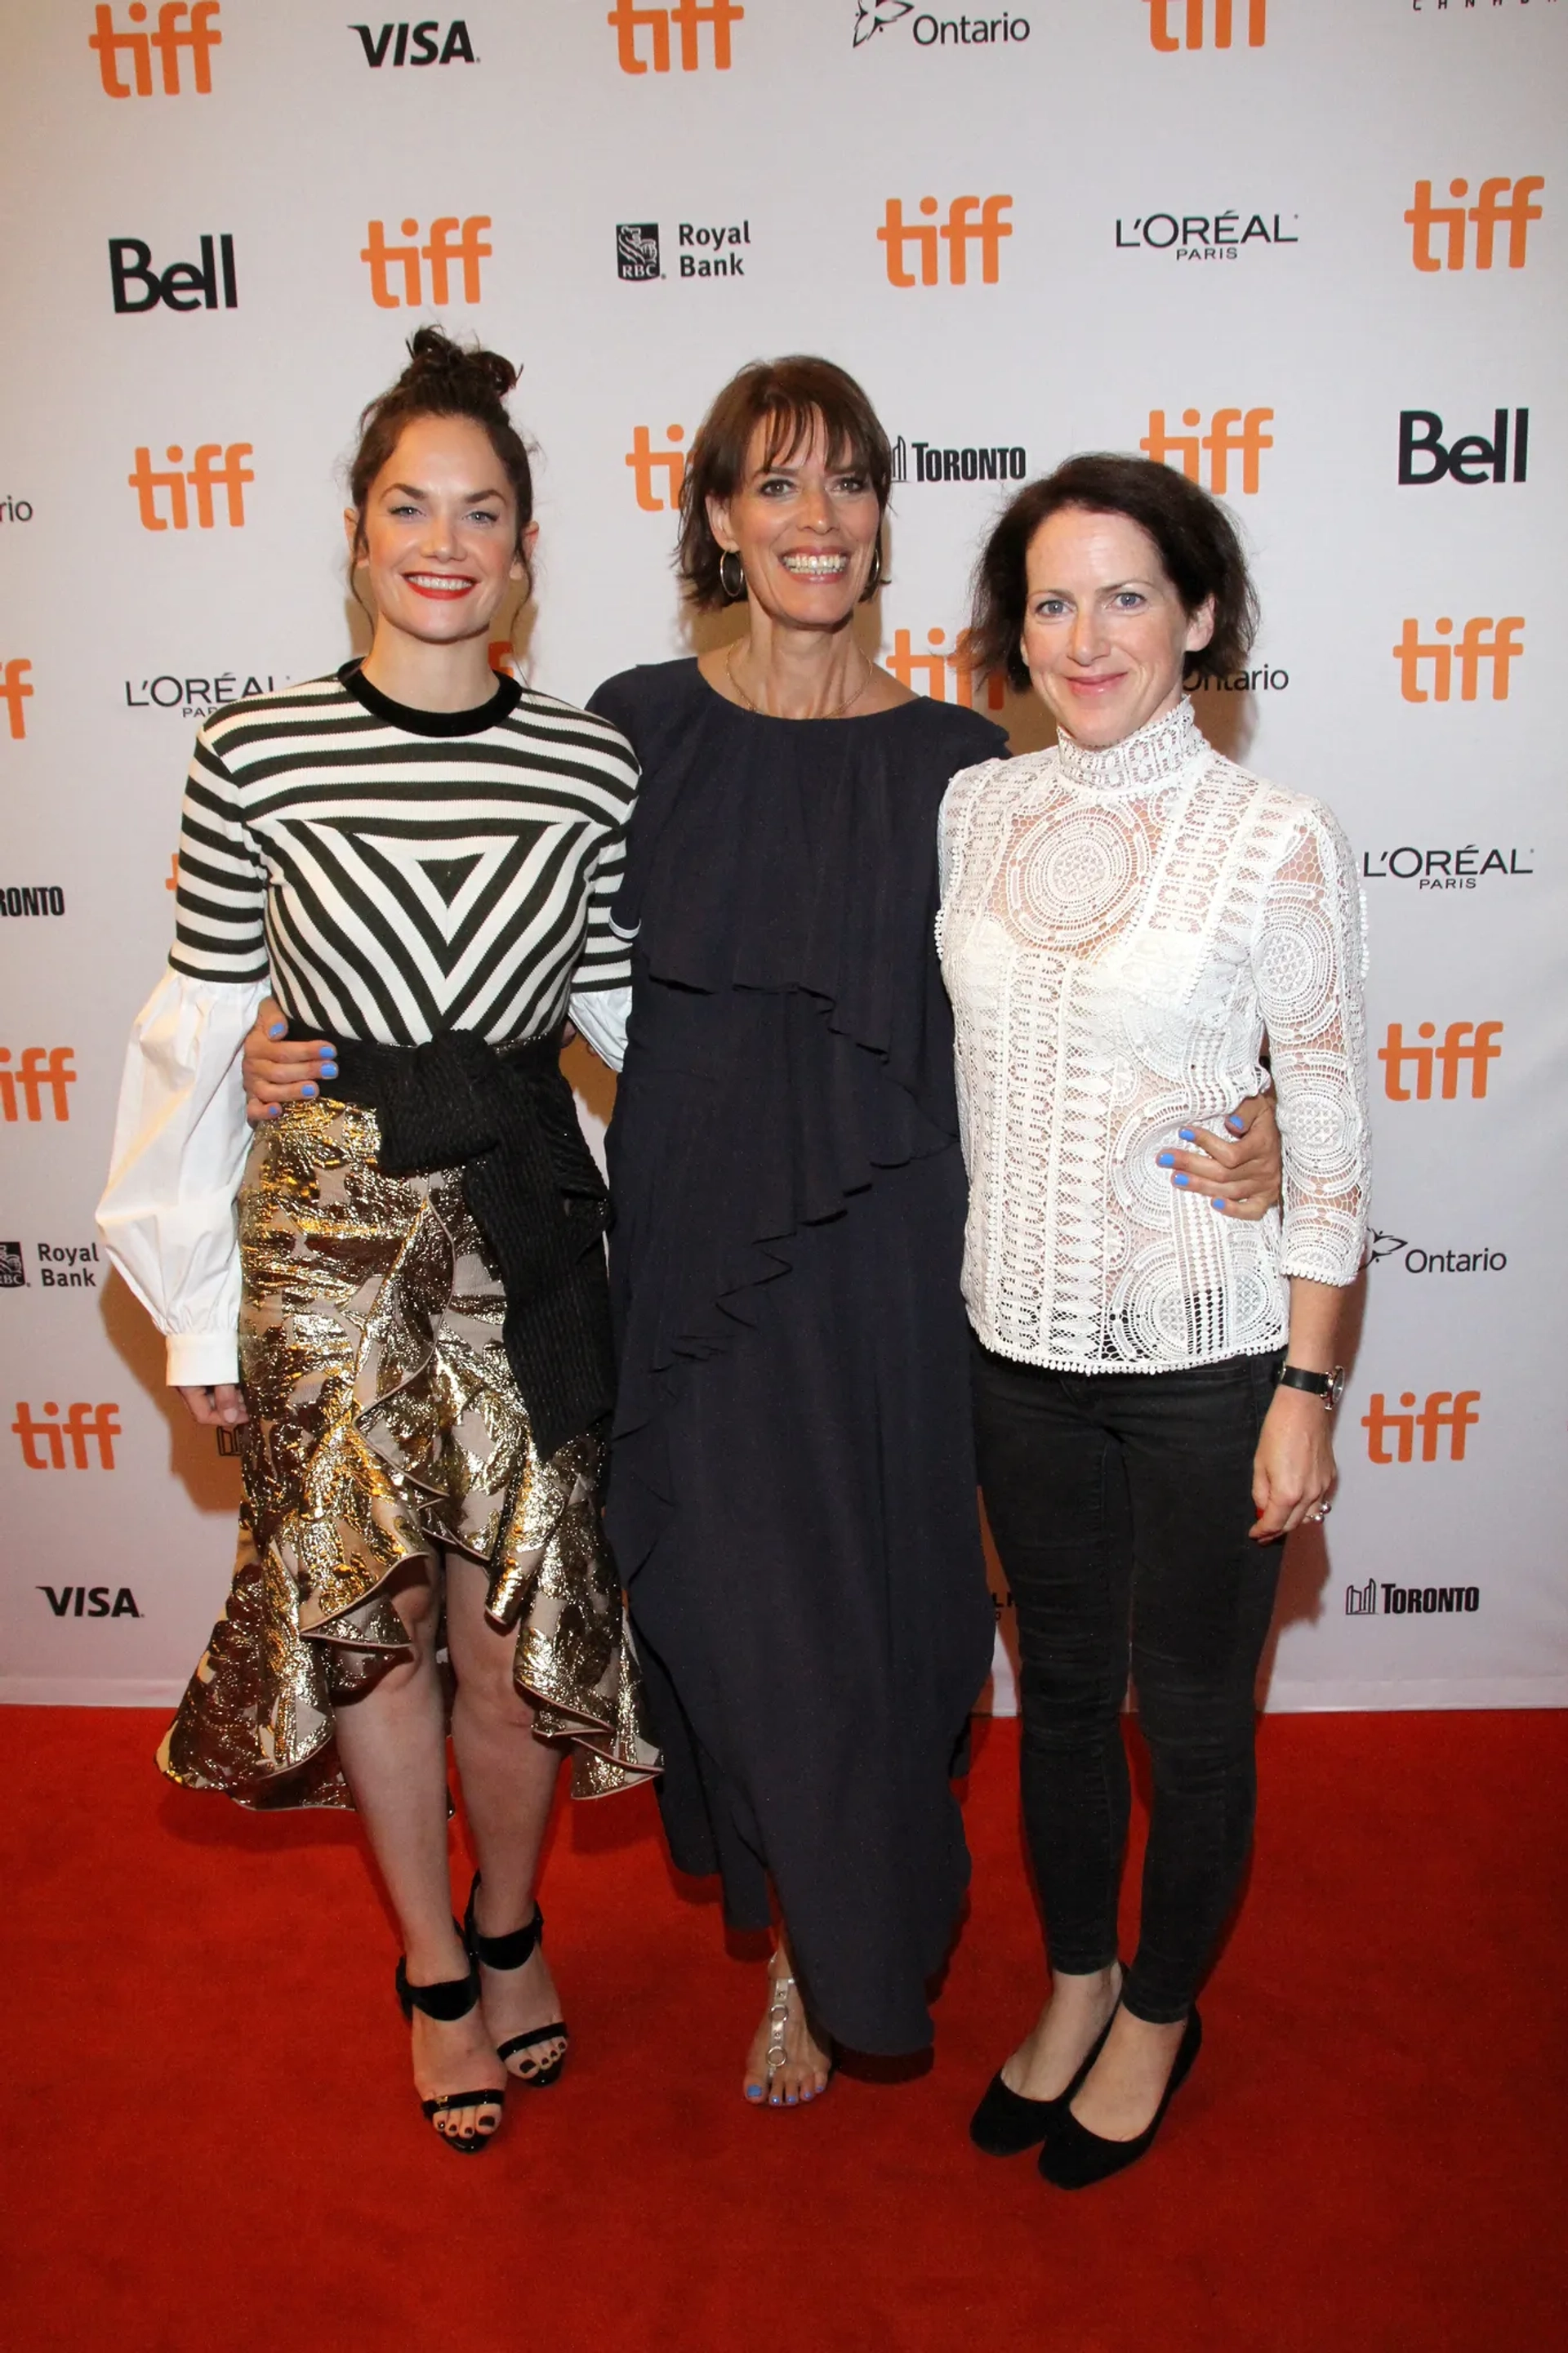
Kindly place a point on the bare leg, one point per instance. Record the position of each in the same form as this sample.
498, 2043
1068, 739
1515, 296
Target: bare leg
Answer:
1064, 2034
392, 1743
509, 1786
1127, 2081
807, 2059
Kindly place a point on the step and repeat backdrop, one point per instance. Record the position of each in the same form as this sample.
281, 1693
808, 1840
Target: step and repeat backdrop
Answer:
1311, 251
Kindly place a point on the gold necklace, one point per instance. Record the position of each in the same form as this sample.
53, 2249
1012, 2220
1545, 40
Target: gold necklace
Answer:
761, 714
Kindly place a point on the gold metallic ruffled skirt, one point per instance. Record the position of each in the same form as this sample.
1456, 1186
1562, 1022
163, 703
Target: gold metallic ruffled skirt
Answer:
385, 1426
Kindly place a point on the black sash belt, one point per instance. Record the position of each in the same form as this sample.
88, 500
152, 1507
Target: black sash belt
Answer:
507, 1119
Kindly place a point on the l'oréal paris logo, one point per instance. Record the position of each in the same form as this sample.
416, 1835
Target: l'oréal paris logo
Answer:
1206, 236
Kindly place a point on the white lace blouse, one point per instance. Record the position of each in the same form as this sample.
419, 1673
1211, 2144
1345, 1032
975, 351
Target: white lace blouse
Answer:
1117, 930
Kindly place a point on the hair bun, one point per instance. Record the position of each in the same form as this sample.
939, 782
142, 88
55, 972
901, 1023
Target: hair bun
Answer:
435, 359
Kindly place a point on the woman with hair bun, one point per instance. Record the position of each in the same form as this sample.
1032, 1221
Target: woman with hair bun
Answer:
407, 1322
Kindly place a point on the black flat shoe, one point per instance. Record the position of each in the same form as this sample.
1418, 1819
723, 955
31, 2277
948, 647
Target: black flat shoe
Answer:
450, 1998
1073, 2157
1006, 2122
514, 1952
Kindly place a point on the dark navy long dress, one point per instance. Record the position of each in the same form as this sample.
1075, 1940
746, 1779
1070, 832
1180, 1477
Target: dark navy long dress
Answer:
793, 1497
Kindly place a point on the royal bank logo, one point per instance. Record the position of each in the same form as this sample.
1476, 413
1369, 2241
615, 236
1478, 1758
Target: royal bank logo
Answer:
1459, 869
38, 1086
1221, 20
451, 254
636, 251
417, 45
136, 286
972, 221
13, 1267
1361, 1600
1499, 204
217, 467
67, 1266
1206, 236
1471, 458
930, 32
1416, 1259
1427, 666
88, 1431
15, 693
934, 461
182, 33
23, 899
689, 19
1232, 433
1467, 1048
193, 698
1432, 1432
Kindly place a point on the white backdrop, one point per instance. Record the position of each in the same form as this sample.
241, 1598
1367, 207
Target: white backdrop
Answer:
1232, 224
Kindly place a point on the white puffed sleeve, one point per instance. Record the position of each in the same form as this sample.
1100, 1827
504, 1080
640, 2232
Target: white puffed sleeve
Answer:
601, 1015
1310, 960
167, 1217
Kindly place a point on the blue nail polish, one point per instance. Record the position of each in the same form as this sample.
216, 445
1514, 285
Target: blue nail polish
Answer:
1180, 1179
308, 1090
753, 2091
1166, 1160
329, 1069
1186, 1135
274, 1111
1218, 1203
277, 1029
1236, 1126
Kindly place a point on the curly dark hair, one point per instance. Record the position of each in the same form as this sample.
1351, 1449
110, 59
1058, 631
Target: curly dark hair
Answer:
443, 379
790, 396
1198, 545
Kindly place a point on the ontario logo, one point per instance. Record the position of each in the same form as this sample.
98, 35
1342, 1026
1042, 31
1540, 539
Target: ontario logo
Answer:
1416, 1260
929, 32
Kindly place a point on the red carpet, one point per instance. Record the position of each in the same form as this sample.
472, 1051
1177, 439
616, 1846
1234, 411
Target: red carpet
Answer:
213, 2144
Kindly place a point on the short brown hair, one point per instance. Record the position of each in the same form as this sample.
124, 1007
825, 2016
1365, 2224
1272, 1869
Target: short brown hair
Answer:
443, 379
790, 396
1198, 542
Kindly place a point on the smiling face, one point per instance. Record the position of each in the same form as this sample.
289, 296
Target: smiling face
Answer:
805, 529
1105, 636
439, 538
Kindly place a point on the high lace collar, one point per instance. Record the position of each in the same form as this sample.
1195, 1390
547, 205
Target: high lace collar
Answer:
1142, 761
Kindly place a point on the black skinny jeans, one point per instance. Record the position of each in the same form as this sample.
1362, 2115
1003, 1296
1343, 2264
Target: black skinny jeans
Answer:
1120, 1504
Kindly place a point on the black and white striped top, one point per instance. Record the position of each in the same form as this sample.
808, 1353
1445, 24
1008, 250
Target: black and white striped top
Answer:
396, 873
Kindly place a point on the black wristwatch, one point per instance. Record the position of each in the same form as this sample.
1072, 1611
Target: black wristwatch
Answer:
1330, 1385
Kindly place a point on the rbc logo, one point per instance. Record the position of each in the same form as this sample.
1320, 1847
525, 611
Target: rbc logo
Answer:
1487, 215
184, 286
95, 1423
1470, 457
425, 53
1482, 639
628, 20
1161, 36
44, 1069
14, 691
958, 232
642, 457
904, 661
205, 478
440, 253
1468, 1042
1220, 441
170, 38
1445, 1410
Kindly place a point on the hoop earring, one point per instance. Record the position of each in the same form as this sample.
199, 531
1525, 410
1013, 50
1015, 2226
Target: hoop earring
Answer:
873, 577
734, 589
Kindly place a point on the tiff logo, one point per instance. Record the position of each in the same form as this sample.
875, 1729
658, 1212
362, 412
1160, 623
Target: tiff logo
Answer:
958, 233
425, 51
1445, 1410
441, 252
14, 691
689, 17
84, 1424
183, 286
642, 457
1487, 215
1464, 1043
1482, 639
904, 661
206, 474
44, 1069
1190, 13
1222, 441
198, 36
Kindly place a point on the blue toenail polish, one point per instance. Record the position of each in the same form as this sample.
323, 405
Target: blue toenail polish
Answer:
753, 2091
1166, 1160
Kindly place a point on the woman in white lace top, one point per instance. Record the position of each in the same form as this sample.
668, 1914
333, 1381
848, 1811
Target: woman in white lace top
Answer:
1125, 919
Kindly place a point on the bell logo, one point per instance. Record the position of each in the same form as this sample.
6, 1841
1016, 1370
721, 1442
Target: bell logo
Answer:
1482, 639
642, 457
1453, 1411
1464, 1043
440, 253
199, 36
1487, 213
45, 1071
1221, 441
83, 1423
183, 286
690, 16
1190, 16
214, 468
904, 661
958, 231
14, 691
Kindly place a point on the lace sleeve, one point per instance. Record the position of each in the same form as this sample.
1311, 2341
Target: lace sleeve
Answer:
1308, 960
958, 804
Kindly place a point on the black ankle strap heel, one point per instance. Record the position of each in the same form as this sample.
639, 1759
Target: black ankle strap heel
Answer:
514, 1951
448, 2000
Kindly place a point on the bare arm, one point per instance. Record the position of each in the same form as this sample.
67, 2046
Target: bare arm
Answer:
1293, 1469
